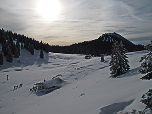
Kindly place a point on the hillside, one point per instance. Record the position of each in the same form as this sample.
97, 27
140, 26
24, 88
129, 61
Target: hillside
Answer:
102, 45
88, 88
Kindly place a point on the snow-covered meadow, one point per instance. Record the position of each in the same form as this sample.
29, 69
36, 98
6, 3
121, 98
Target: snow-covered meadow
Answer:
88, 88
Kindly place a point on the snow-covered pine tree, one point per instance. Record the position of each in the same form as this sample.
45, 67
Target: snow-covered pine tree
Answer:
124, 60
41, 54
1, 58
114, 61
119, 63
147, 63
147, 69
147, 99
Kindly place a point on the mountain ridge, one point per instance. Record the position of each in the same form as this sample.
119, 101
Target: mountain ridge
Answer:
102, 45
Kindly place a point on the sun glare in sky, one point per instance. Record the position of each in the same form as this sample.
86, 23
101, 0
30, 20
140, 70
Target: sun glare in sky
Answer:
49, 9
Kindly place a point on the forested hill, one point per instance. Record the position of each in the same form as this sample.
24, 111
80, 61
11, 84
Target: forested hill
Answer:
102, 45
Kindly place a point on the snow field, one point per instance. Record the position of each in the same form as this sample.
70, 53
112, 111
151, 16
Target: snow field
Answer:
89, 90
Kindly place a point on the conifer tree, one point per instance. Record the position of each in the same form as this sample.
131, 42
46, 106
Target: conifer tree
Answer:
147, 63
102, 58
41, 45
18, 46
9, 57
4, 49
114, 61
1, 58
47, 48
0, 36
119, 63
41, 54
17, 53
124, 60
31, 49
147, 69
22, 47
25, 45
13, 48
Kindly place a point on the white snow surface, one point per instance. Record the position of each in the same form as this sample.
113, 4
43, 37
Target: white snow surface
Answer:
88, 88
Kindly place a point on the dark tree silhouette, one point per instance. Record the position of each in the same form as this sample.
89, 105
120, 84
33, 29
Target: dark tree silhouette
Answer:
13, 48
1, 58
4, 49
9, 57
31, 49
41, 54
17, 52
17, 48
47, 48
102, 58
22, 47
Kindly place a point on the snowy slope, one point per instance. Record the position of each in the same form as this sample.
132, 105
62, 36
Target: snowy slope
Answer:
88, 89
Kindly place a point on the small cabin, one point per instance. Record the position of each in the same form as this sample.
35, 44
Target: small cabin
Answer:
49, 85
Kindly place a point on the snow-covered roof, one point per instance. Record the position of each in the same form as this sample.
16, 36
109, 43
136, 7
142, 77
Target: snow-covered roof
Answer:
53, 82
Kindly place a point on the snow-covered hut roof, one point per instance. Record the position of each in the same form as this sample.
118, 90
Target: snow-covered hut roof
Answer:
53, 82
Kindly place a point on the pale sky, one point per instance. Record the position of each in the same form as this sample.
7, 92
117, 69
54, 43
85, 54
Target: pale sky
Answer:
64, 22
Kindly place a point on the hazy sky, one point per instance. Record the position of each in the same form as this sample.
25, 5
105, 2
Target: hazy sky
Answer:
77, 20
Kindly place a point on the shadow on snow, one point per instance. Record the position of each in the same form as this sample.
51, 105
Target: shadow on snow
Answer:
26, 59
130, 73
116, 107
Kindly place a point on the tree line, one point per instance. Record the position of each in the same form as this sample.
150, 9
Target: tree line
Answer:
13, 42
102, 45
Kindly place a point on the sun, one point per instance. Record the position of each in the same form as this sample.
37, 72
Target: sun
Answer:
49, 9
